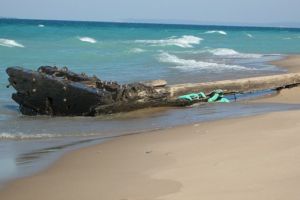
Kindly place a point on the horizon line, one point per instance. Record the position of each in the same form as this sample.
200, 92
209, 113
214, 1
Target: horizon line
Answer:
165, 22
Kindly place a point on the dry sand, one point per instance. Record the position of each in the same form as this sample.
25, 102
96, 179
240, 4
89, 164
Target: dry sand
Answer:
255, 158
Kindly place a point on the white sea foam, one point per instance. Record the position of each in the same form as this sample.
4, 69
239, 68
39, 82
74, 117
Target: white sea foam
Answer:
190, 65
249, 35
223, 52
186, 41
22, 136
10, 43
137, 50
87, 39
231, 53
41, 25
216, 31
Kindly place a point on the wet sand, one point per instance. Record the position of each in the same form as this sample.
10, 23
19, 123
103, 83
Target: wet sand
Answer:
254, 157
291, 63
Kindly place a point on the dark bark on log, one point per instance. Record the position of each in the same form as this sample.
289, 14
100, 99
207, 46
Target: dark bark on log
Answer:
60, 92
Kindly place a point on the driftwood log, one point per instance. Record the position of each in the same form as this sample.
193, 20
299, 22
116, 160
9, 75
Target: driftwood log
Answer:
60, 92
238, 85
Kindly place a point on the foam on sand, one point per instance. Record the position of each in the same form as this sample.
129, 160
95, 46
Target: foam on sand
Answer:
190, 65
22, 136
231, 53
26, 136
216, 31
88, 39
186, 41
10, 43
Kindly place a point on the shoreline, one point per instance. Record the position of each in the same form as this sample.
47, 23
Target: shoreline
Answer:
140, 166
289, 62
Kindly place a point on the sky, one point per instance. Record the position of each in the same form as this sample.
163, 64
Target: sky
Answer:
193, 11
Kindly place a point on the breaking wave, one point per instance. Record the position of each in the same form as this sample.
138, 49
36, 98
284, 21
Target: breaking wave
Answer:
232, 53
88, 39
10, 43
215, 31
189, 65
186, 41
137, 50
249, 35
41, 25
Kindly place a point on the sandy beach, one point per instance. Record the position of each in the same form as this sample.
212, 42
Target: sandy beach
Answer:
255, 158
291, 63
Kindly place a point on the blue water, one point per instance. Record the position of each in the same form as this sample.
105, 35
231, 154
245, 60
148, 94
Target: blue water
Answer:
126, 53
132, 52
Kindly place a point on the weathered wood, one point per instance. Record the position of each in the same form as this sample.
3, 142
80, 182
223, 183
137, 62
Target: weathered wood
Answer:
40, 93
155, 83
238, 85
60, 92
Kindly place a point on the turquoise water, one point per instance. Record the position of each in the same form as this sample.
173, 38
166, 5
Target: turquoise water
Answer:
128, 53
134, 52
